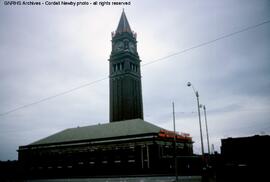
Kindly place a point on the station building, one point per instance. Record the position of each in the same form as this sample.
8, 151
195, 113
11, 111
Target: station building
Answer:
125, 145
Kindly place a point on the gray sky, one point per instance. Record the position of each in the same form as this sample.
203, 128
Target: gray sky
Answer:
48, 50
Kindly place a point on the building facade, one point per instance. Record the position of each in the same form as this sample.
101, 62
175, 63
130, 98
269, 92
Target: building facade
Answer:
245, 158
124, 147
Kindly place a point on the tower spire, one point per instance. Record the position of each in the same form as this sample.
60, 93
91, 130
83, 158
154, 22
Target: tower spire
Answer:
123, 25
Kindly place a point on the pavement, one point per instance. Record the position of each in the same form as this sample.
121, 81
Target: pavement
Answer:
125, 179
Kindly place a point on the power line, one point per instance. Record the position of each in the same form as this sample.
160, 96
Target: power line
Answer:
53, 96
146, 64
208, 42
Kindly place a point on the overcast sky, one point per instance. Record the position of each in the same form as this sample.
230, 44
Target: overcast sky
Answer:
48, 50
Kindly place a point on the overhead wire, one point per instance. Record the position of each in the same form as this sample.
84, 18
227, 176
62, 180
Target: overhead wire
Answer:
146, 64
53, 96
208, 42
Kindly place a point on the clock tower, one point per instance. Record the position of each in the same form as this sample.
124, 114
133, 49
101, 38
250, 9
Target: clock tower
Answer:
125, 74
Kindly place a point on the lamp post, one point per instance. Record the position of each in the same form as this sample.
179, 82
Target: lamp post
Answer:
199, 114
205, 119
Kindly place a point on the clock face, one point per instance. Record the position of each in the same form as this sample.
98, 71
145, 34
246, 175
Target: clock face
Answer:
119, 46
132, 47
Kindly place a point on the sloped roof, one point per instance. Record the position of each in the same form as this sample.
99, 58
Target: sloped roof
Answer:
101, 131
123, 25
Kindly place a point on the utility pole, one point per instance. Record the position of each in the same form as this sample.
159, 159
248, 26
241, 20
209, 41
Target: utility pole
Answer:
175, 156
207, 135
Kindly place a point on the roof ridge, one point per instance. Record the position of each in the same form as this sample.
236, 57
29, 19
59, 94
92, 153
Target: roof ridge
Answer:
103, 124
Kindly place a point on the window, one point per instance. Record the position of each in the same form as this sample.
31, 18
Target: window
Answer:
133, 67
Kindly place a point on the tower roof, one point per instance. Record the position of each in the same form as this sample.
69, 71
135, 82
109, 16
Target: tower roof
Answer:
123, 25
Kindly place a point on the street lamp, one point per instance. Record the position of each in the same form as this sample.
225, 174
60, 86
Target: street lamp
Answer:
205, 119
199, 114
